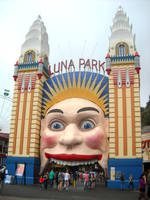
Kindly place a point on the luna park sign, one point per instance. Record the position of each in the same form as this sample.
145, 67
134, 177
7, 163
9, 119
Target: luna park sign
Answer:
81, 64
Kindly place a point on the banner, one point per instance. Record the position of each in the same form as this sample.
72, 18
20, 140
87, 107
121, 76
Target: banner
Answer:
20, 169
112, 173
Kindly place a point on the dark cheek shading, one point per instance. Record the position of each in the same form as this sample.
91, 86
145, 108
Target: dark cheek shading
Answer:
94, 141
48, 141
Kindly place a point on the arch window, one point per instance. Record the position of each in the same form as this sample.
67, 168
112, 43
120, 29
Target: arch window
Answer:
122, 49
29, 57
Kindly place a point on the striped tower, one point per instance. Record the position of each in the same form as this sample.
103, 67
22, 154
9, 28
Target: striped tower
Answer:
30, 72
122, 66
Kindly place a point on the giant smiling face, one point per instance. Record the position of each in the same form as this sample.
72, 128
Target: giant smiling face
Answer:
73, 132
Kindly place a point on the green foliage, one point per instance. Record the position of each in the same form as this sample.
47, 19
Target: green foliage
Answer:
145, 114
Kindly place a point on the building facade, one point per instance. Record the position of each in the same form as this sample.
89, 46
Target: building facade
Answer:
124, 101
123, 69
146, 147
4, 138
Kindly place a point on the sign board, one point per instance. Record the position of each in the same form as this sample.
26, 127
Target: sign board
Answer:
8, 179
118, 174
71, 65
20, 169
112, 173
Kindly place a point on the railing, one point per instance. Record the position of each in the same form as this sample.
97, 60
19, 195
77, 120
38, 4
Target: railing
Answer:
122, 58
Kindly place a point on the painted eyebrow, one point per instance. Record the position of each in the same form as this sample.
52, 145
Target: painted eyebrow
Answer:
55, 110
87, 109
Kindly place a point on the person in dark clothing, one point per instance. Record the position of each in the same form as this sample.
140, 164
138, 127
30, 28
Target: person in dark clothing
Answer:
122, 179
2, 173
142, 187
74, 177
131, 183
56, 177
148, 184
45, 180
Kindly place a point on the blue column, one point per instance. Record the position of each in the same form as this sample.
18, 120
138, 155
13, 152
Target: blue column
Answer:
32, 167
126, 166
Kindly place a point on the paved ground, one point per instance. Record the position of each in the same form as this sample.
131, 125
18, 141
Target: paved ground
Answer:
23, 192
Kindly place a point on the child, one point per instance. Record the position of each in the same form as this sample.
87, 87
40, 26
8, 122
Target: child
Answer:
41, 181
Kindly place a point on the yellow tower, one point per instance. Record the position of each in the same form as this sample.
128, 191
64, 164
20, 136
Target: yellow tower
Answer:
30, 72
122, 63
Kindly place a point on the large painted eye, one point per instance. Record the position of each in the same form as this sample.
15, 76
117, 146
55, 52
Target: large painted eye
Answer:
56, 126
87, 125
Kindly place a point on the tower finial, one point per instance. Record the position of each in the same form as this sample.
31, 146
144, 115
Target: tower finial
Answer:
120, 8
39, 17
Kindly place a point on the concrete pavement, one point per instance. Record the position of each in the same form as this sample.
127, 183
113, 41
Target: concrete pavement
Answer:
32, 192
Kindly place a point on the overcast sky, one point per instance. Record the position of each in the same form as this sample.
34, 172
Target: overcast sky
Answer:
76, 28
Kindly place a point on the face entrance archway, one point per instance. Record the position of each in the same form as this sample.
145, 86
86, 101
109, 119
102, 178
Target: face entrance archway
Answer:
73, 133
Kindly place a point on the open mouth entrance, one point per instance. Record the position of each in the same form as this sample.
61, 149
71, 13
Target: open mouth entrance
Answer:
80, 167
74, 165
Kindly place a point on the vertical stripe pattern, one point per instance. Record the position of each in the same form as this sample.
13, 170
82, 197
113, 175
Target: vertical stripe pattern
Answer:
124, 120
116, 120
23, 122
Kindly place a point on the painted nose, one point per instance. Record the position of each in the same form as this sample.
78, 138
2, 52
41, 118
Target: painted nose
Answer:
71, 136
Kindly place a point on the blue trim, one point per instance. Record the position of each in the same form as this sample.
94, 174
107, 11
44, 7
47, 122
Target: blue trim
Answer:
32, 167
126, 166
28, 65
122, 58
33, 65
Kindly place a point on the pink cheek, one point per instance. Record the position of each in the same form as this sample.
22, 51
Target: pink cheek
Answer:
48, 141
94, 141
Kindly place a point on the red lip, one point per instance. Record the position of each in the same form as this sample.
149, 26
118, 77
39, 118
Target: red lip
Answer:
73, 157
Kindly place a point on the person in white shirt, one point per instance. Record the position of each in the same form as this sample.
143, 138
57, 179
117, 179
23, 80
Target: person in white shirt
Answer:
66, 179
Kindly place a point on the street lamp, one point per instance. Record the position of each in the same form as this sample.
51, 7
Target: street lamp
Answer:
6, 92
5, 96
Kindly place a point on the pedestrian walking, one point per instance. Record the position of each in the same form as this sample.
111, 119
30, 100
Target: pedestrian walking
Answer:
45, 180
131, 183
60, 180
122, 182
51, 178
142, 187
148, 184
66, 180
41, 181
93, 180
74, 179
86, 180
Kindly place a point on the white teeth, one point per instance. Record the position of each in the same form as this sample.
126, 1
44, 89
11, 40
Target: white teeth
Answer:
73, 163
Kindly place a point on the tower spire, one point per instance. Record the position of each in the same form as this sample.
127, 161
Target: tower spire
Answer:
36, 40
121, 32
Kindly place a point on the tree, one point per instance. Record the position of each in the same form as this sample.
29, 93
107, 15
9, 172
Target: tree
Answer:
145, 114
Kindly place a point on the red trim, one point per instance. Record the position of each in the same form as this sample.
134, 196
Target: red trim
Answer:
108, 70
2, 155
73, 157
138, 69
107, 56
146, 141
136, 54
17, 63
15, 77
39, 75
40, 61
